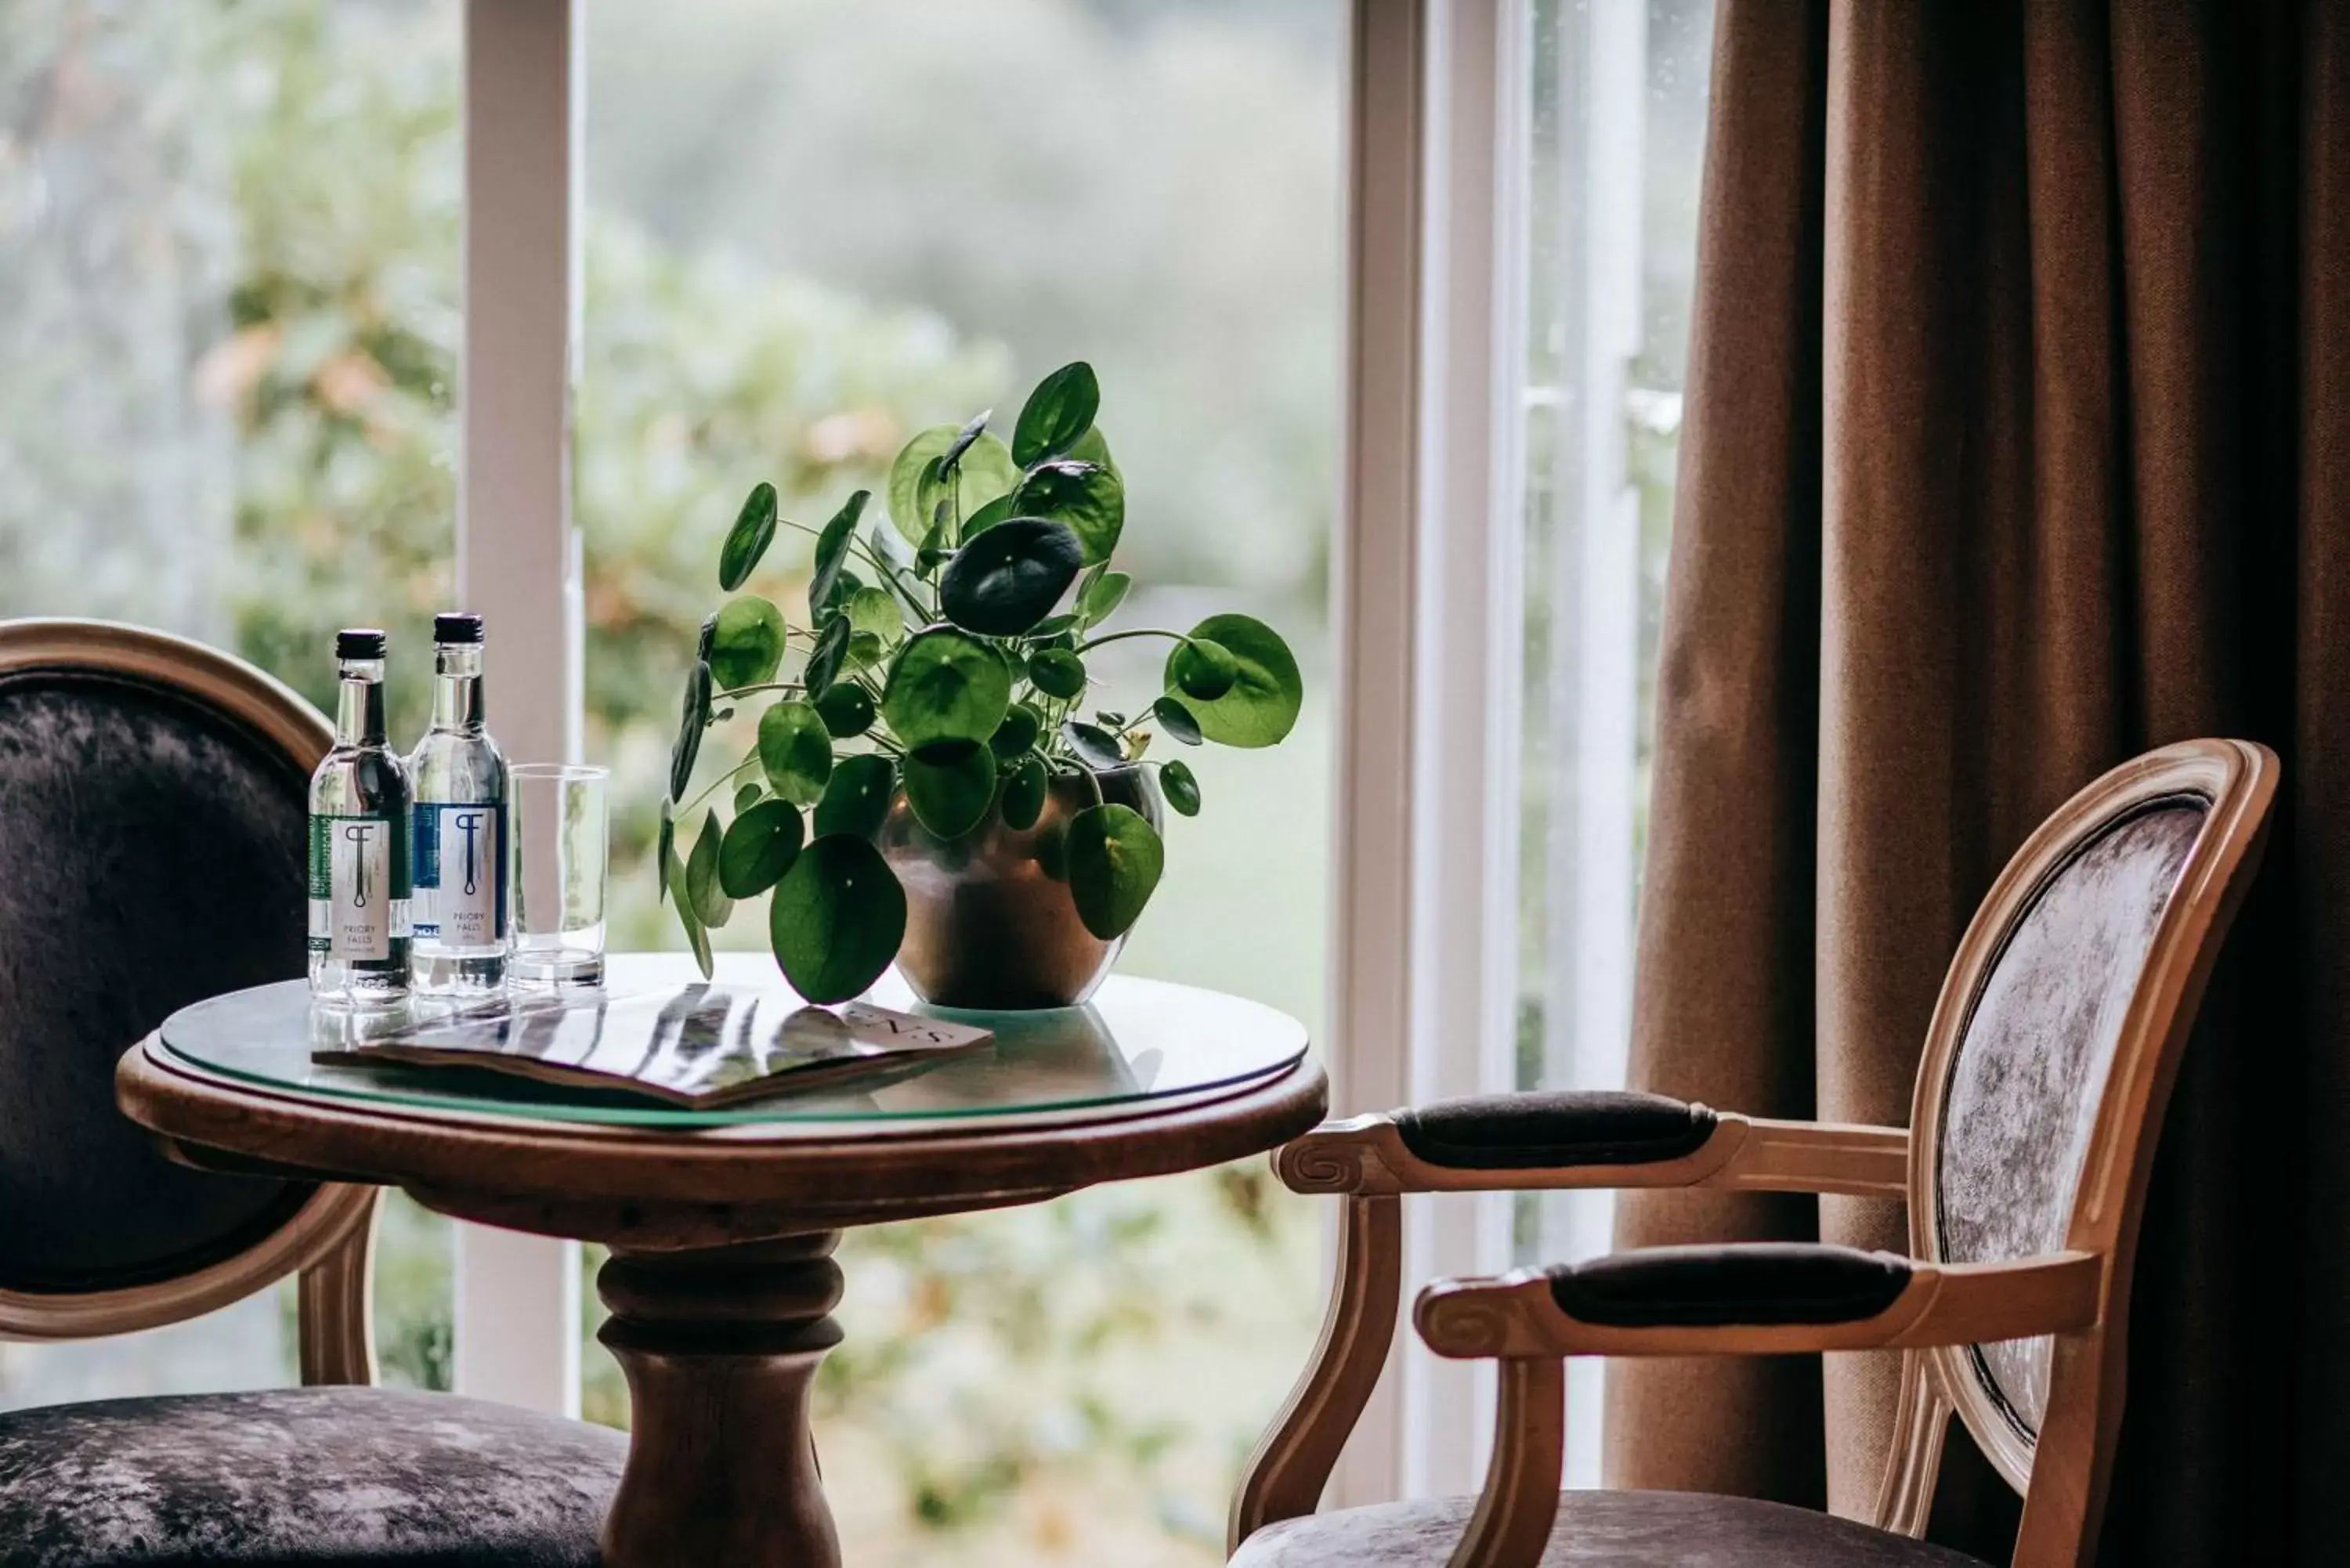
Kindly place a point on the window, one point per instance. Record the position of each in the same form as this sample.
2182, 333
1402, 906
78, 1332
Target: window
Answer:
228, 261
812, 230
231, 242
1617, 123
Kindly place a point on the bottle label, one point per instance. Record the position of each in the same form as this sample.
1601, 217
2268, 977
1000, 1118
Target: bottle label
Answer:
461, 874
358, 886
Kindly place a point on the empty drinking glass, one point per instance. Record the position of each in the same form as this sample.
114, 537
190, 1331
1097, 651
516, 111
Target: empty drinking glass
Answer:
561, 839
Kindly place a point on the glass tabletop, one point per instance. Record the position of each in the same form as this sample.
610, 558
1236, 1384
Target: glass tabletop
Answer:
1136, 1041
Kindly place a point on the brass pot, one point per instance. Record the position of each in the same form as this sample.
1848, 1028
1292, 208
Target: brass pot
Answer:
989, 919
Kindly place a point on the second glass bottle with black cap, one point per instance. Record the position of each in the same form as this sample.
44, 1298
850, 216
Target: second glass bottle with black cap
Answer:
461, 847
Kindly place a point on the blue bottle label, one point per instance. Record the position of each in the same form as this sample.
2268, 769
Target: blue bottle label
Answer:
461, 874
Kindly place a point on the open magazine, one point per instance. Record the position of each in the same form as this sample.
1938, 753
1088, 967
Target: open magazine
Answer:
696, 1047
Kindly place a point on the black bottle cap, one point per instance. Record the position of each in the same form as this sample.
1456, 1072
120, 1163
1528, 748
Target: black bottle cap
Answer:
364, 643
457, 626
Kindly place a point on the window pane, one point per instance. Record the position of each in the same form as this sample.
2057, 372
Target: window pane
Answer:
1618, 104
814, 229
228, 306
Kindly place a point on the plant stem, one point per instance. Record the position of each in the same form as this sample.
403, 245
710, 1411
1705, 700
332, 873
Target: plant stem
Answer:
765, 686
1122, 636
720, 779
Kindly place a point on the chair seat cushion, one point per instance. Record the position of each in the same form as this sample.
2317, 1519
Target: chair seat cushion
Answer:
1599, 1530
317, 1476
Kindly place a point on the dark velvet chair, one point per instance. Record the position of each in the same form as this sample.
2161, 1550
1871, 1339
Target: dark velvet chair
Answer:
2040, 1092
152, 805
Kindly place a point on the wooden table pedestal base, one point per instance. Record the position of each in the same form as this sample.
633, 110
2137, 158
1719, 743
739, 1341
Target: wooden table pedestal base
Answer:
719, 1346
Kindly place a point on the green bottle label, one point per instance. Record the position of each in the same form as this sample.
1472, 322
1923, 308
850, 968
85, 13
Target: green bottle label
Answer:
358, 887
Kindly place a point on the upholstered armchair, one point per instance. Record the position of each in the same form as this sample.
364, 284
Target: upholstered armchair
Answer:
2039, 1093
153, 796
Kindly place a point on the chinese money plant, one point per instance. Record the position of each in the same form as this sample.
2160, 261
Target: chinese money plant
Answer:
943, 658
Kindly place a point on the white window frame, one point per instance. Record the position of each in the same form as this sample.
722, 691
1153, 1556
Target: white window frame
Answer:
518, 555
1425, 584
1429, 600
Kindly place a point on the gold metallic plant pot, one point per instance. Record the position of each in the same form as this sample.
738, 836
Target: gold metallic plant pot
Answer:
989, 919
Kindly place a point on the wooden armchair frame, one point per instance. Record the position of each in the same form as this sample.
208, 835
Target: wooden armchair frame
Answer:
330, 1238
2079, 1294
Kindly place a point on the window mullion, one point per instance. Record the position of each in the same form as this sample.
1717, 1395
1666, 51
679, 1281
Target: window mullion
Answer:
517, 1296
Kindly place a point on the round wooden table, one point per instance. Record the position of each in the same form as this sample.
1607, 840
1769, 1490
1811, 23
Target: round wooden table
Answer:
722, 1223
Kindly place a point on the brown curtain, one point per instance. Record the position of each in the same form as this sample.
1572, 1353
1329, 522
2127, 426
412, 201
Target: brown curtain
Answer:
2019, 441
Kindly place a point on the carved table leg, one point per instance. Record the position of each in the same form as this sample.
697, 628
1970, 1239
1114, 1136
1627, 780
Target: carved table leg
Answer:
719, 1346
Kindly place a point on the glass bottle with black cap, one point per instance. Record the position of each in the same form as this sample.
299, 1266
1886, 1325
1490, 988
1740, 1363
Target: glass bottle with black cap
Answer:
460, 840
358, 844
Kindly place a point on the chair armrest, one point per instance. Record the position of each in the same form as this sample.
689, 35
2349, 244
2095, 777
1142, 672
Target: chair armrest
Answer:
1757, 1299
1590, 1138
1719, 1287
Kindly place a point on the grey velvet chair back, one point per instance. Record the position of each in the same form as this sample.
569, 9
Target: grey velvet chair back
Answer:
2046, 1073
152, 804
2021, 1098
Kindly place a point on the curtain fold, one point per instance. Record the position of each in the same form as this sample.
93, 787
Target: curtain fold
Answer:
2015, 446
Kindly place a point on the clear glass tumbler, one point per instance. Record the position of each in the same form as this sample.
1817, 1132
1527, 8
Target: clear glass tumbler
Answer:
561, 839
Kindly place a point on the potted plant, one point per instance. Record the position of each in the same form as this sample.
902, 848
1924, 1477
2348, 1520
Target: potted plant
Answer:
932, 782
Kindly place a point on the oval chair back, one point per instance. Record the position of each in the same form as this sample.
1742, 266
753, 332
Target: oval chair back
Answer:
153, 804
2047, 1068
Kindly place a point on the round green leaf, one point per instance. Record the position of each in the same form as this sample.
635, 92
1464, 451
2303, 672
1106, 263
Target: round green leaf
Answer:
760, 846
888, 547
1021, 725
846, 710
950, 785
832, 551
1175, 720
795, 750
696, 937
1096, 747
1024, 793
987, 517
665, 850
748, 797
1203, 669
874, 611
864, 651
753, 531
858, 798
845, 587
1010, 578
694, 715
986, 467
935, 547
938, 497
747, 642
1261, 706
712, 907
946, 685
1181, 790
824, 658
1103, 593
968, 434
836, 919
1114, 861
1058, 672
1087, 497
1093, 448
1056, 414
